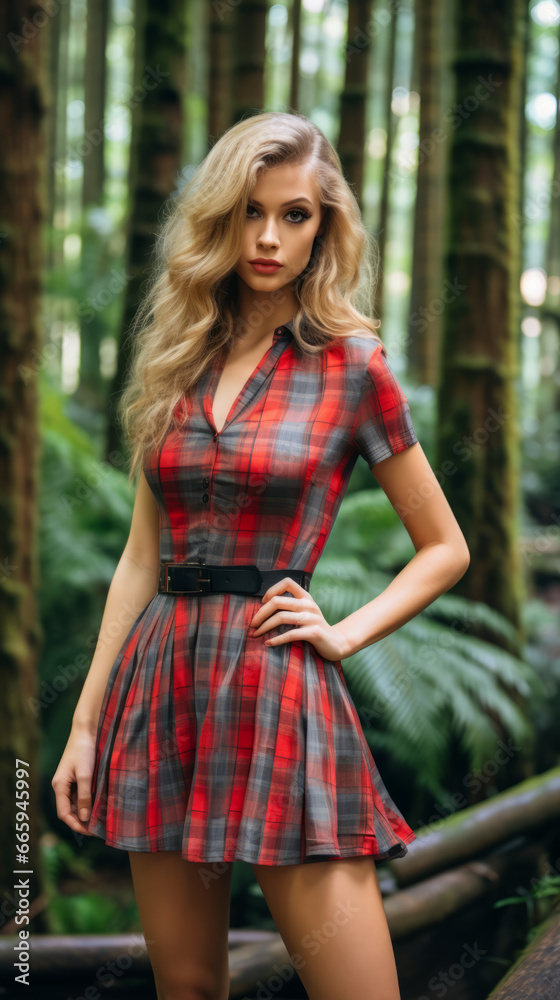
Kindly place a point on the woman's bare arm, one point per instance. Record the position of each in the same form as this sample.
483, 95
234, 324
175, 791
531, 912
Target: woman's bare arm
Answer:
442, 555
133, 585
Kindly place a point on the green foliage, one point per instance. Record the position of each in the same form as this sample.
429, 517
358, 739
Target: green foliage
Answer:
541, 477
86, 911
85, 509
542, 628
90, 286
546, 889
433, 683
248, 905
548, 885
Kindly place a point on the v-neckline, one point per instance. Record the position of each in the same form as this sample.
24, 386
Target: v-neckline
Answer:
251, 385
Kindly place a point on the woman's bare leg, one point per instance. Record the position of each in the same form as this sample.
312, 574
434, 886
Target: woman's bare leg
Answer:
331, 918
184, 911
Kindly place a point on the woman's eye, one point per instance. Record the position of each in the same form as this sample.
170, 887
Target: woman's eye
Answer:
299, 211
293, 211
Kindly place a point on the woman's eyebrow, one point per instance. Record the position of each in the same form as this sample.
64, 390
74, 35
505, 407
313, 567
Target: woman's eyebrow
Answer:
300, 197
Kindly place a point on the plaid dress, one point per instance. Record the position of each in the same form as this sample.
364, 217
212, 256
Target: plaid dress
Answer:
209, 741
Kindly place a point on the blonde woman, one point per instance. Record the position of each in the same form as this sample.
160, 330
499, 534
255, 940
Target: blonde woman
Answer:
217, 724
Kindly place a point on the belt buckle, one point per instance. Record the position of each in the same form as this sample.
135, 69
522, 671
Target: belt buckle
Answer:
199, 590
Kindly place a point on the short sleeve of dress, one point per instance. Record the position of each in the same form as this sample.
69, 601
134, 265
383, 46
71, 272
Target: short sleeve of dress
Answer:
383, 425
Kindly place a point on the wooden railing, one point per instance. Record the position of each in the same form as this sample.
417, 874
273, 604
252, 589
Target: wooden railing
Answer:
536, 973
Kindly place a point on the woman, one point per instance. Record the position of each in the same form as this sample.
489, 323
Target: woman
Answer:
217, 724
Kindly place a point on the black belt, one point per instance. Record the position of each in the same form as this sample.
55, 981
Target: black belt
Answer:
196, 578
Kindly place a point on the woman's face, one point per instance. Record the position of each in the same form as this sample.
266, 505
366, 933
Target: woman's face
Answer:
283, 217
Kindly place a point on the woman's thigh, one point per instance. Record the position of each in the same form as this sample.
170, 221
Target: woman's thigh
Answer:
331, 918
184, 911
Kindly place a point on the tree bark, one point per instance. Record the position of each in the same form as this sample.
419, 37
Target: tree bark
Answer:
536, 972
549, 396
427, 263
295, 15
94, 262
220, 69
477, 450
94, 98
353, 101
389, 129
249, 59
23, 195
155, 163
56, 159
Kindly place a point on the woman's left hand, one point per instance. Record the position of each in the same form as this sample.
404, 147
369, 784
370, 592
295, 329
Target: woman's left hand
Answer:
278, 608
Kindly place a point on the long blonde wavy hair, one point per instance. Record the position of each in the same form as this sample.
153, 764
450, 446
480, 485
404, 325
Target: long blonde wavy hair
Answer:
187, 318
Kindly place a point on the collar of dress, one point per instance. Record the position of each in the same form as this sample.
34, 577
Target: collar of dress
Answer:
281, 330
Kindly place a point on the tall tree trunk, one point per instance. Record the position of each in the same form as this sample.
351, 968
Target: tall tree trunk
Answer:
55, 73
549, 396
94, 96
23, 189
353, 101
249, 61
56, 172
220, 69
295, 15
477, 447
415, 84
523, 141
94, 262
427, 264
390, 130
155, 162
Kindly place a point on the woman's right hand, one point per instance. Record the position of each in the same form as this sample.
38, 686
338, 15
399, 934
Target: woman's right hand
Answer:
73, 778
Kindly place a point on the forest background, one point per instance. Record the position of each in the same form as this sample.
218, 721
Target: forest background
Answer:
446, 119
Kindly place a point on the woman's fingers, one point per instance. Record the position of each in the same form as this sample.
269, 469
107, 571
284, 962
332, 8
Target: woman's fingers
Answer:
288, 583
282, 602
84, 794
284, 617
72, 782
65, 809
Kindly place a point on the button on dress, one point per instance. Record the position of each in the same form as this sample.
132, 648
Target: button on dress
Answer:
210, 742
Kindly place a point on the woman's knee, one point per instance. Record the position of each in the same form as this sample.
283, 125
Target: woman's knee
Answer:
194, 987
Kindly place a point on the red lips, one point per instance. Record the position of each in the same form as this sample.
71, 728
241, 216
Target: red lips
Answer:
266, 266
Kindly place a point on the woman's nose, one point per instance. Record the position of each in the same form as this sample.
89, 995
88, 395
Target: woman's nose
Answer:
269, 234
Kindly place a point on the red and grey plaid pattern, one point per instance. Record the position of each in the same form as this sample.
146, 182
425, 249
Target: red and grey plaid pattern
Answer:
210, 742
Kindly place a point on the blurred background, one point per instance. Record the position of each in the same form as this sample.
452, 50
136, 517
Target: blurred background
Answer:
445, 116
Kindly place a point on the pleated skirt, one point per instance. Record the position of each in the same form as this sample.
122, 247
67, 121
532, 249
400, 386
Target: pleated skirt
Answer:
211, 743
